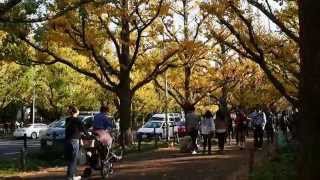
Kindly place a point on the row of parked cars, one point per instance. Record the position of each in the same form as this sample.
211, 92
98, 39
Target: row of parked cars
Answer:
55, 132
156, 126
52, 132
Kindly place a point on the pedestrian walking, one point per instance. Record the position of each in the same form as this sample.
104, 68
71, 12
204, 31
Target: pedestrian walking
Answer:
102, 126
207, 128
73, 127
192, 127
258, 121
270, 117
241, 126
231, 126
284, 125
221, 129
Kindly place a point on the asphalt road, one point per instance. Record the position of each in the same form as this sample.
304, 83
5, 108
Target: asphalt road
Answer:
12, 147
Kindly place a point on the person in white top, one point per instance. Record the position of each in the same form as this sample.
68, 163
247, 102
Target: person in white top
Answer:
207, 128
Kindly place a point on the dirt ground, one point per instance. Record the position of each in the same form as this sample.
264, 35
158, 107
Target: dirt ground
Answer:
169, 164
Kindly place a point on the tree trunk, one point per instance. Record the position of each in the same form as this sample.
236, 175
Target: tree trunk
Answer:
223, 101
187, 80
125, 115
186, 107
309, 157
277, 84
124, 92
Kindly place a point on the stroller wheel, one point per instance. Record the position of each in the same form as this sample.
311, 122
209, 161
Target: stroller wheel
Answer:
106, 169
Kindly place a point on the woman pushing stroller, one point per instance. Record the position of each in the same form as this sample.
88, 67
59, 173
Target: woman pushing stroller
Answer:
102, 126
101, 129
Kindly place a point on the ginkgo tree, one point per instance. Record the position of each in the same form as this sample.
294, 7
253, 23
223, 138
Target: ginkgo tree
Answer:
15, 83
190, 82
238, 27
57, 87
111, 37
19, 11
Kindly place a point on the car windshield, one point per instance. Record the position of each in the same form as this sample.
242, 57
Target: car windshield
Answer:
153, 124
27, 125
156, 119
57, 124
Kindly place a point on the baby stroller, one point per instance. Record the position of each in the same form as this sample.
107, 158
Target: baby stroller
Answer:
98, 156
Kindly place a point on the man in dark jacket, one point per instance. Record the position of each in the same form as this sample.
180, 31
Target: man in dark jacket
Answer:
73, 128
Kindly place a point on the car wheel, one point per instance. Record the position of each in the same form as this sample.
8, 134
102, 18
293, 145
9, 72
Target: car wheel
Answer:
34, 135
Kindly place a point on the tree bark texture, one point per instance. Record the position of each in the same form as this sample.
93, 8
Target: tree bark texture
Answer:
309, 132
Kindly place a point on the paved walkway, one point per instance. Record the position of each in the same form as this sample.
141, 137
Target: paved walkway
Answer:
169, 164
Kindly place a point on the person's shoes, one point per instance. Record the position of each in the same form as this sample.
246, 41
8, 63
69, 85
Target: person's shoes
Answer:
194, 152
74, 178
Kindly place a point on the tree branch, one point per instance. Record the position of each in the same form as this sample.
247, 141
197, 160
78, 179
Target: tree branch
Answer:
69, 64
112, 37
239, 38
250, 29
275, 20
173, 93
44, 18
102, 63
140, 31
158, 69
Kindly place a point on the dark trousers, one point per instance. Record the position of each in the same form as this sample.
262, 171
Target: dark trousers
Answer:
207, 141
221, 140
241, 134
193, 134
258, 137
71, 153
270, 136
237, 132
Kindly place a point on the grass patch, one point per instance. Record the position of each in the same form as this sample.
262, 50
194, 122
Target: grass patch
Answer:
34, 162
53, 157
282, 167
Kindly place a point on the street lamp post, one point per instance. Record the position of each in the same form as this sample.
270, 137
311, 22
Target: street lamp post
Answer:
33, 96
33, 104
166, 107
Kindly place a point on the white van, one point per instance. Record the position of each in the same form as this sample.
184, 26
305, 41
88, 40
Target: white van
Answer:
155, 127
172, 117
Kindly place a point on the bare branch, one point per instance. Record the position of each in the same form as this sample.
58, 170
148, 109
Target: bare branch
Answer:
111, 35
199, 24
140, 31
275, 20
239, 38
250, 29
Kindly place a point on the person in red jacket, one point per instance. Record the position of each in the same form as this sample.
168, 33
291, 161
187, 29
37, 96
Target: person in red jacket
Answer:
241, 122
